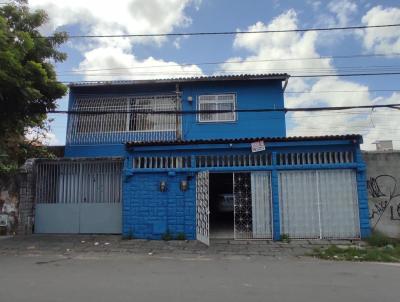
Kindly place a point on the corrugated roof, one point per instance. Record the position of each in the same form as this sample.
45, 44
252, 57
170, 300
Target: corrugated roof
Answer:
269, 76
357, 137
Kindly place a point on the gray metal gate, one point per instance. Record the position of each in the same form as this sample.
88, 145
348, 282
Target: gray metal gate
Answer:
78, 196
319, 204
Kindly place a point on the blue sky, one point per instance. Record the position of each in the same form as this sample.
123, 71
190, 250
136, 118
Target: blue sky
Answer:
156, 57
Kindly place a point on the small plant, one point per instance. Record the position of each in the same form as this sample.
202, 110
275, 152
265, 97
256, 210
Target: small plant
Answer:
377, 239
167, 236
181, 236
285, 238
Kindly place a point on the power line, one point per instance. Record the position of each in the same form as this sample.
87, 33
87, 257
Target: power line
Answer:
343, 91
241, 62
219, 33
297, 76
293, 71
182, 112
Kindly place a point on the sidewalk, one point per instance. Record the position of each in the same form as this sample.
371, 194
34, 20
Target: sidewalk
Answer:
108, 244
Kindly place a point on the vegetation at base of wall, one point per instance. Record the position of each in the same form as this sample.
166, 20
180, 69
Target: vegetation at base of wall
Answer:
380, 248
181, 236
379, 240
167, 236
285, 238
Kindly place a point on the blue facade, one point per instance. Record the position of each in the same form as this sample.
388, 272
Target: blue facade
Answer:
258, 94
134, 218
149, 212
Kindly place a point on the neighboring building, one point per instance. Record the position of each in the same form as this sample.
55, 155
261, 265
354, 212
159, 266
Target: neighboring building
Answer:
136, 168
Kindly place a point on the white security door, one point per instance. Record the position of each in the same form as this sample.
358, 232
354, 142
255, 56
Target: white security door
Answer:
319, 204
202, 207
261, 204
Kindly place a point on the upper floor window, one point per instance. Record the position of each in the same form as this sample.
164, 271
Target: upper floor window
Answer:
217, 102
124, 114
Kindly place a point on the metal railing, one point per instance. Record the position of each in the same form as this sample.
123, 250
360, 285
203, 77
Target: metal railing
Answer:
78, 181
127, 120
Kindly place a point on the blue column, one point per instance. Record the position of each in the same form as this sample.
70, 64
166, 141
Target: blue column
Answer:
275, 200
365, 227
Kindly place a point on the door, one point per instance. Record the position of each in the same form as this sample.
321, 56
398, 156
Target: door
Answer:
319, 204
78, 197
252, 205
202, 207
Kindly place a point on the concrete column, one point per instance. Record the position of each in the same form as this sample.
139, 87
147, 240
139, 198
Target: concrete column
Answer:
365, 227
275, 200
26, 198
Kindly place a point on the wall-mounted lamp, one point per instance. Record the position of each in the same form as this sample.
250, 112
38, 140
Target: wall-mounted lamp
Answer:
184, 185
190, 99
163, 186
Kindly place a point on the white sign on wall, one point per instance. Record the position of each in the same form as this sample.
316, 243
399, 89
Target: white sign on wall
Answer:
257, 146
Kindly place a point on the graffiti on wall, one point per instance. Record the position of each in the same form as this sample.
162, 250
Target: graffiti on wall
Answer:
385, 195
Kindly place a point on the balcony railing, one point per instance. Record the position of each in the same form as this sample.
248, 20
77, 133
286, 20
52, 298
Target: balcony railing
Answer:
123, 118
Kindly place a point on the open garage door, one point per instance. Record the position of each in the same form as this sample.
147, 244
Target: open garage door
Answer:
78, 196
319, 204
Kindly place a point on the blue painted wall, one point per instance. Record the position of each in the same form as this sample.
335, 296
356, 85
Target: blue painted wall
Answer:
149, 213
249, 95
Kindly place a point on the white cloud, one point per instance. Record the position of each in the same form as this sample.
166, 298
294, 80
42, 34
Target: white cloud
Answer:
315, 4
344, 10
109, 57
382, 40
124, 17
303, 45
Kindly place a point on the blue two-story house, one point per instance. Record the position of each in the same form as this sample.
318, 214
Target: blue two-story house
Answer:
197, 158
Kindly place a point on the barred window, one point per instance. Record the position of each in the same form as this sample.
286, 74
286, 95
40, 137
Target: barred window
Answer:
217, 102
122, 116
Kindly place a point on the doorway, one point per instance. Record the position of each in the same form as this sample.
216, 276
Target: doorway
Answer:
221, 206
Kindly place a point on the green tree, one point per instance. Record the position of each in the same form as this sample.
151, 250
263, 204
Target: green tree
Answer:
28, 82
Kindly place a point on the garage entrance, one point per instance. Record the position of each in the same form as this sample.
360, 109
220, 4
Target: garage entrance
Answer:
78, 196
221, 205
319, 204
234, 205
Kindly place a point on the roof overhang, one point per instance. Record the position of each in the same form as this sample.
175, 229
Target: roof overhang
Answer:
242, 77
355, 138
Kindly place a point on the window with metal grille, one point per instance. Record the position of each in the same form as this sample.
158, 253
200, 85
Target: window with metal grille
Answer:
217, 102
127, 114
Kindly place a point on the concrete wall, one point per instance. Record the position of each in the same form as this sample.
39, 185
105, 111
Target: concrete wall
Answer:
383, 181
9, 199
149, 213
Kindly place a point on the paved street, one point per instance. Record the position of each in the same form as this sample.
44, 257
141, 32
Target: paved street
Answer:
39, 276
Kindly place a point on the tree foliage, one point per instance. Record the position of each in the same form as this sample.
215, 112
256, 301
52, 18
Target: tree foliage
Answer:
28, 82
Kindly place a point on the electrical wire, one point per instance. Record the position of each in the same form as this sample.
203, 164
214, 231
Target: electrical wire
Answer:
182, 112
353, 56
238, 32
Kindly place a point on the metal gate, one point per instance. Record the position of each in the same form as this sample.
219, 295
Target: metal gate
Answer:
252, 205
202, 207
78, 196
319, 204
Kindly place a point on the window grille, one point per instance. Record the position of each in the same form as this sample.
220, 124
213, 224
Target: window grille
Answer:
78, 181
217, 102
123, 123
312, 158
162, 162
